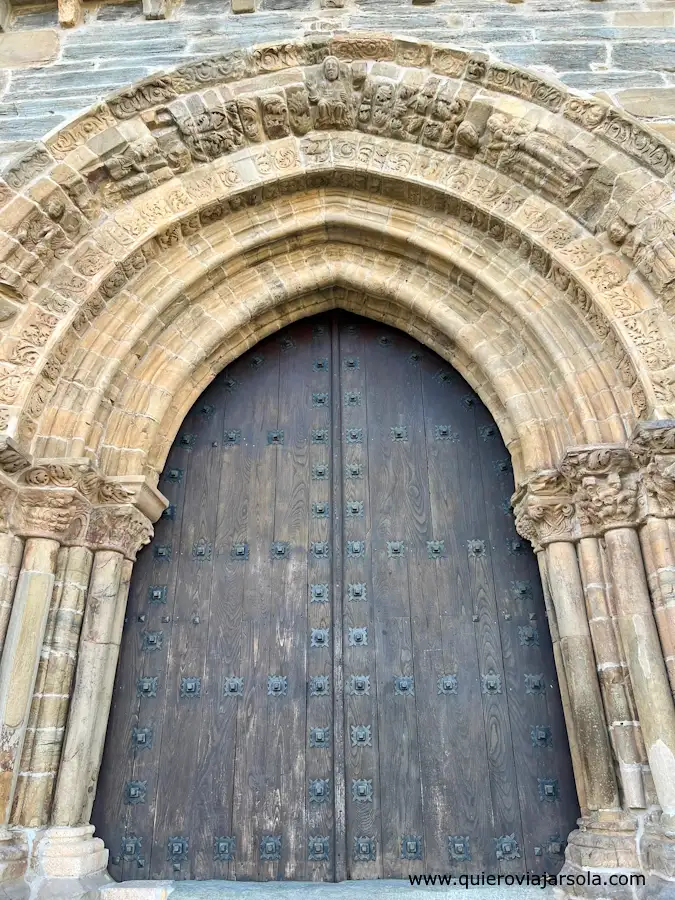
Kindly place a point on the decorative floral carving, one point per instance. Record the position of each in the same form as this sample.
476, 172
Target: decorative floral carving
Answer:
27, 167
121, 528
544, 509
79, 132
12, 458
133, 100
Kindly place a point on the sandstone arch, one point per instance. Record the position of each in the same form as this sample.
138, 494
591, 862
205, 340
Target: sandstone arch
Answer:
524, 233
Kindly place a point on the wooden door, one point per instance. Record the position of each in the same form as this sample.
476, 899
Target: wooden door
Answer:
336, 662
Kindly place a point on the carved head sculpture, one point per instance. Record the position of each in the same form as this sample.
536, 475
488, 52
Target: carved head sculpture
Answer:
331, 68
617, 230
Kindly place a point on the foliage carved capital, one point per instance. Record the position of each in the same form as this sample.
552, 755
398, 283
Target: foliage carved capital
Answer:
544, 509
70, 502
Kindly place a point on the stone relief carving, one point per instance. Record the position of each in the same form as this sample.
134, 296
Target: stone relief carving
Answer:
138, 168
330, 95
539, 159
337, 95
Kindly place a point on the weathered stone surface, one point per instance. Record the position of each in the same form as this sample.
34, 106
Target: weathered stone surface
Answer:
18, 52
654, 103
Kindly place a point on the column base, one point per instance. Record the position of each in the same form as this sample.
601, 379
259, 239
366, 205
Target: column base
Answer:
67, 863
67, 852
13, 856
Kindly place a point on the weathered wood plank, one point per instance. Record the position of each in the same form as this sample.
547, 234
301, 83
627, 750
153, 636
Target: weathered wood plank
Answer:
187, 655
363, 819
464, 804
397, 509
261, 384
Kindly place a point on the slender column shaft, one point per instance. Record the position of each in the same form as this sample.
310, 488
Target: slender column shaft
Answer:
21, 655
582, 683
612, 673
577, 766
92, 692
11, 551
649, 678
658, 549
49, 709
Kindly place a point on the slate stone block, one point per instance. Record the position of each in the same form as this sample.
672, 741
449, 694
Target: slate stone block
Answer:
152, 46
560, 56
608, 81
118, 12
645, 55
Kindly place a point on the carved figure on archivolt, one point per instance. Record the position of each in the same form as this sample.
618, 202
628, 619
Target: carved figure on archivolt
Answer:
377, 103
138, 168
330, 95
213, 132
537, 158
411, 108
447, 113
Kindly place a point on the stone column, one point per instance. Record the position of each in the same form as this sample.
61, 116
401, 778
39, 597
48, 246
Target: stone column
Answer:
582, 682
657, 539
11, 552
570, 723
46, 727
653, 697
612, 674
19, 664
92, 692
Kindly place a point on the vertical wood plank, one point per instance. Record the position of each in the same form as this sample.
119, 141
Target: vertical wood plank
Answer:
187, 655
340, 866
394, 492
260, 380
364, 819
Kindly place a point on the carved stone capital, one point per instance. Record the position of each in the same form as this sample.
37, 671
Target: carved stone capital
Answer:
596, 460
652, 439
657, 488
604, 485
121, 528
69, 501
544, 509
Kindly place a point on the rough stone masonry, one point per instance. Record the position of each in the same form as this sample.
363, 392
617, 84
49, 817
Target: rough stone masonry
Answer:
622, 49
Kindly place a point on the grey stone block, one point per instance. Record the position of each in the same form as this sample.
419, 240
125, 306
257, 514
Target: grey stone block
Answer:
570, 57
608, 81
645, 55
118, 12
399, 22
80, 83
286, 4
24, 129
48, 18
143, 49
109, 33
605, 33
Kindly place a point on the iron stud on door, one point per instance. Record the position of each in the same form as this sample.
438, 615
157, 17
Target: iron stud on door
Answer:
411, 847
224, 848
319, 847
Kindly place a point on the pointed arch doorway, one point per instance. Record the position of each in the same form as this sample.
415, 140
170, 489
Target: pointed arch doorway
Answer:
336, 661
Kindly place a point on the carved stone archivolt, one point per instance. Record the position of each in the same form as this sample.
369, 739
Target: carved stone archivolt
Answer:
367, 129
595, 489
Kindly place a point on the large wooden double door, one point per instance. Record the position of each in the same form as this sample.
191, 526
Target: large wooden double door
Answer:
336, 662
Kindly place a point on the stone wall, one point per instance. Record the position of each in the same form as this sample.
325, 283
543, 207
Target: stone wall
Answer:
624, 49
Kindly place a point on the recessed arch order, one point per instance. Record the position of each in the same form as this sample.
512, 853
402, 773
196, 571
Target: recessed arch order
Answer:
522, 231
